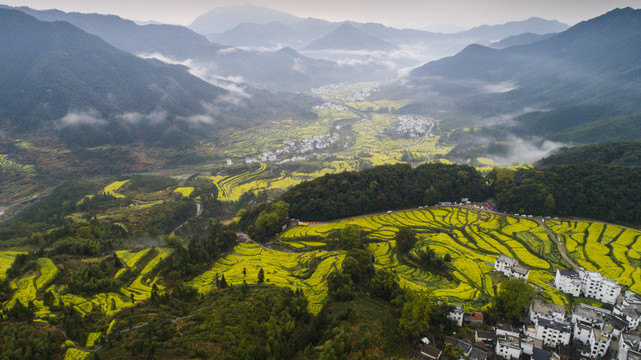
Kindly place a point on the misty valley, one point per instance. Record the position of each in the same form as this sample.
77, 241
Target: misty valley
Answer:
258, 185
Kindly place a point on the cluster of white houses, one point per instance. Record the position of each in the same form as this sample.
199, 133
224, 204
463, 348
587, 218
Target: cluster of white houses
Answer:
587, 332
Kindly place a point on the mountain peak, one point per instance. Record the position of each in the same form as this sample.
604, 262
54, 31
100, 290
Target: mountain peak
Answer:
348, 37
222, 19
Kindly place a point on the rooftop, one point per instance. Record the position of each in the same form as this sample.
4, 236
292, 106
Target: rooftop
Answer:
430, 352
478, 354
589, 311
506, 259
520, 270
561, 326
483, 334
540, 354
569, 273
633, 355
509, 341
542, 307
458, 342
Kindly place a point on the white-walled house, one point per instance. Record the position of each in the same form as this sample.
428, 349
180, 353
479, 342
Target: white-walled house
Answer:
589, 284
543, 310
569, 282
510, 268
553, 332
508, 347
457, 315
629, 347
599, 287
631, 314
504, 264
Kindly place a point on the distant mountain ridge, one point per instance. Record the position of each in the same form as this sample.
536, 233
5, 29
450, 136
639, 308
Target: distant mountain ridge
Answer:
222, 19
347, 37
170, 40
605, 52
587, 78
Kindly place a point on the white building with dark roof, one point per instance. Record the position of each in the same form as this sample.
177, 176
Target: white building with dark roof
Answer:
510, 268
598, 287
544, 310
553, 332
631, 314
629, 347
589, 284
508, 347
569, 282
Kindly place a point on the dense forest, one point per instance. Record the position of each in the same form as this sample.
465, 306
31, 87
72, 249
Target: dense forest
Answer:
593, 191
383, 188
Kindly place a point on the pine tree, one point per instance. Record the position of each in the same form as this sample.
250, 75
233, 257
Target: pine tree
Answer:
222, 283
261, 276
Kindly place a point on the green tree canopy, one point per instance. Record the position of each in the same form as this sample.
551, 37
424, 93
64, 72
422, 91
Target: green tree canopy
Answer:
513, 299
405, 239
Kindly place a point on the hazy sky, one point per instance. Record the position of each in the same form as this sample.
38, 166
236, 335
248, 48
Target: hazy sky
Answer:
398, 13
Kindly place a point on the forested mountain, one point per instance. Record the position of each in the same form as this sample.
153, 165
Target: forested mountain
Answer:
603, 192
56, 76
606, 44
622, 153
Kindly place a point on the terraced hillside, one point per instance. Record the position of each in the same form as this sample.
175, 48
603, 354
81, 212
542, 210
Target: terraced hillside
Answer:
472, 238
612, 250
139, 275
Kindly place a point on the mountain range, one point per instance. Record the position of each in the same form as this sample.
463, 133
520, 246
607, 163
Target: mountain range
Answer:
593, 62
55, 77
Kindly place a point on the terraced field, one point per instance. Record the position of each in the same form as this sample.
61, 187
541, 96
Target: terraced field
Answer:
6, 259
281, 268
33, 286
113, 187
472, 238
612, 250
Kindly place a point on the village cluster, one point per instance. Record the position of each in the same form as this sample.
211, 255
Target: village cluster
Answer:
550, 332
314, 143
411, 126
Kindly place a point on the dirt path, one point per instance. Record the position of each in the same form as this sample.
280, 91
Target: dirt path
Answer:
558, 242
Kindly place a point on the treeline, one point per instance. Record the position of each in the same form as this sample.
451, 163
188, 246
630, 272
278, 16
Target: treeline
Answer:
383, 188
601, 192
609, 193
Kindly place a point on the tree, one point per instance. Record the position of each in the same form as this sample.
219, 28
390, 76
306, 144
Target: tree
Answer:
261, 276
405, 239
549, 204
432, 195
350, 237
513, 299
340, 286
222, 283
415, 316
358, 265
451, 352
384, 284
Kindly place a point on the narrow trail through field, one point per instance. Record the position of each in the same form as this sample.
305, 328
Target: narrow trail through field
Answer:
558, 242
